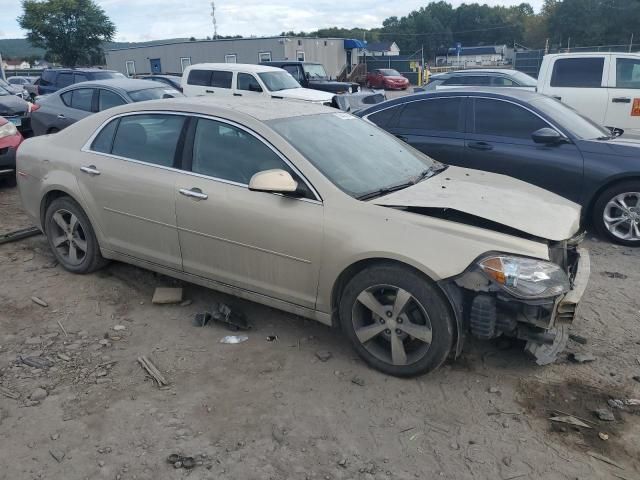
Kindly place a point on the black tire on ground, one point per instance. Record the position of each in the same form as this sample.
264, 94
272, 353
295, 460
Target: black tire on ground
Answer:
424, 294
601, 204
8, 181
91, 260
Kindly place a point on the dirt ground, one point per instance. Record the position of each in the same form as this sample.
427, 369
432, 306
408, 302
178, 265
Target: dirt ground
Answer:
274, 410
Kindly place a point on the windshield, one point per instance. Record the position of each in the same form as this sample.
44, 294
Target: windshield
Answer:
107, 75
315, 71
154, 94
276, 81
524, 80
389, 72
569, 119
360, 158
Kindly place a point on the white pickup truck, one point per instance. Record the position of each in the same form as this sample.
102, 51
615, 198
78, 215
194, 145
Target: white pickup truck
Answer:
604, 87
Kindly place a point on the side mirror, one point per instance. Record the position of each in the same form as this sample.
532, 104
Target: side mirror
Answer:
547, 136
274, 181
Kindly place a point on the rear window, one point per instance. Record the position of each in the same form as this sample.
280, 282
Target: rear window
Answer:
578, 72
106, 75
221, 79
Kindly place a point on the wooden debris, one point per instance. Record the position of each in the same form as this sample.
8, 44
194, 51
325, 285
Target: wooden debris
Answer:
39, 301
152, 370
9, 393
164, 295
62, 328
604, 459
571, 420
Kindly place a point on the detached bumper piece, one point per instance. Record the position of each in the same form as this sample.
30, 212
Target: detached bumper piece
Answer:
489, 312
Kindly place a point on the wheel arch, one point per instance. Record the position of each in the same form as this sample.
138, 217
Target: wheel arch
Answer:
356, 267
611, 182
52, 194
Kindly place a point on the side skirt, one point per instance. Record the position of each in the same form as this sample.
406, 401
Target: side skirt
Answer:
221, 287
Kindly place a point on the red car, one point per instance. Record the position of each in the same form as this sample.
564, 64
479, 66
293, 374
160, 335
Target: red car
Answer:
10, 138
387, 78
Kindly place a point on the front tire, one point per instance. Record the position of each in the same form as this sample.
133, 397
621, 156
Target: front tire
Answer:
71, 237
616, 213
397, 320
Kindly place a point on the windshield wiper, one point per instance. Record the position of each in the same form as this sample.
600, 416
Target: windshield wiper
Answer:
428, 173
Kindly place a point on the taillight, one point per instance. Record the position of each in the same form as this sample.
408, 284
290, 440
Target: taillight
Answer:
33, 107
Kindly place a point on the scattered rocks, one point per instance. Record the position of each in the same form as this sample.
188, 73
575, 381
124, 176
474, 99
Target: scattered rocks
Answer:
581, 357
38, 395
494, 390
605, 415
55, 436
33, 341
603, 436
64, 357
101, 463
119, 328
615, 403
343, 462
324, 355
358, 381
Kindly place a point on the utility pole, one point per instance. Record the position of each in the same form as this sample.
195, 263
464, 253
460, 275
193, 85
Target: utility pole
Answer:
631, 43
213, 17
568, 44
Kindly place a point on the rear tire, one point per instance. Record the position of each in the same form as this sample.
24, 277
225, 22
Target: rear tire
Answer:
616, 213
71, 237
413, 331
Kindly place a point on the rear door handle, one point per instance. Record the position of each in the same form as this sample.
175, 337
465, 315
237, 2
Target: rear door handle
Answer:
557, 97
210, 91
61, 116
480, 146
194, 193
621, 100
91, 170
237, 94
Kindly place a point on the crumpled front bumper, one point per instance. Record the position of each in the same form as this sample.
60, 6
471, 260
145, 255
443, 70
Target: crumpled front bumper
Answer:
566, 306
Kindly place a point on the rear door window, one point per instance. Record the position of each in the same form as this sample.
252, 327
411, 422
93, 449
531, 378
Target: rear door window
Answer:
199, 77
80, 77
505, 119
383, 117
477, 80
151, 138
439, 114
578, 72
79, 98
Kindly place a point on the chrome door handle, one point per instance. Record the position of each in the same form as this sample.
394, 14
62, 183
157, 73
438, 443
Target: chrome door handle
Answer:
194, 193
61, 116
91, 170
210, 91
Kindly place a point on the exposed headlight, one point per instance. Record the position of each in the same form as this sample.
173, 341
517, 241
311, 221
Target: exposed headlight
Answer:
526, 277
8, 130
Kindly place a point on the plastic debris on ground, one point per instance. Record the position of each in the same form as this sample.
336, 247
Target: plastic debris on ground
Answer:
233, 339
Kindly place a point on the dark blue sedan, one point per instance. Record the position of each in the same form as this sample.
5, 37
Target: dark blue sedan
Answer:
531, 137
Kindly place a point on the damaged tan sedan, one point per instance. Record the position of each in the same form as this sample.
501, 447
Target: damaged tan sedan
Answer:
317, 213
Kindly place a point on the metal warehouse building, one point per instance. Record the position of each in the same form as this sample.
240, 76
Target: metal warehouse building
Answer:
336, 54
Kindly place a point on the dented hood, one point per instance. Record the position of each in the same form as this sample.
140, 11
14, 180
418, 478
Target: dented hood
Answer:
493, 197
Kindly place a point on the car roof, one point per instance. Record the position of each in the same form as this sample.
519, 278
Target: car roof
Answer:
235, 67
261, 109
515, 94
126, 84
475, 71
290, 62
82, 70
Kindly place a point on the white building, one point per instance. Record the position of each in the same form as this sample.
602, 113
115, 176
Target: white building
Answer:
382, 49
491, 55
15, 65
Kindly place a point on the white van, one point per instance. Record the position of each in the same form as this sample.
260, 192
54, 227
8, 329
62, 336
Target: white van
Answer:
238, 79
604, 87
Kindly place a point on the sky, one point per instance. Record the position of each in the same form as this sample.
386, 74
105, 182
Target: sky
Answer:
142, 20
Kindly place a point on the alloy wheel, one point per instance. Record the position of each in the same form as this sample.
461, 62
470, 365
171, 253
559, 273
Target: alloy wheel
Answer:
392, 325
68, 237
622, 216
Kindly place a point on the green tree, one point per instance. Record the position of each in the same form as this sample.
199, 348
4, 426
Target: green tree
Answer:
71, 31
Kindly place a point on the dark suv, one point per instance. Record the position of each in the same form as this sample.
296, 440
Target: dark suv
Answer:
313, 75
54, 79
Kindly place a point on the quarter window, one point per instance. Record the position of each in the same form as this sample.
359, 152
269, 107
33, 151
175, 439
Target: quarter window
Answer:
148, 138
109, 99
504, 119
627, 73
229, 153
502, 82
578, 72
441, 114
248, 82
104, 140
